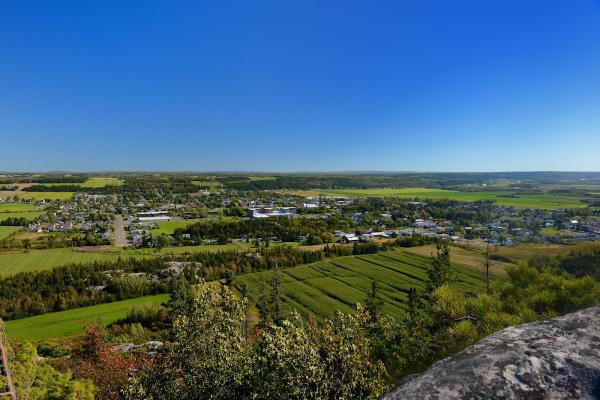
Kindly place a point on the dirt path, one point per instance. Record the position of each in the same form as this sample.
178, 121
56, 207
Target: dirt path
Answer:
120, 237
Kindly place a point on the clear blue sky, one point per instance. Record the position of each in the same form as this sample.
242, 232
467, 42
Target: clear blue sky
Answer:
300, 85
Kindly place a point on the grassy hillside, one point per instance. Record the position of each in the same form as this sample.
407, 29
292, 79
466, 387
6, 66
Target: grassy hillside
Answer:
71, 322
338, 284
503, 198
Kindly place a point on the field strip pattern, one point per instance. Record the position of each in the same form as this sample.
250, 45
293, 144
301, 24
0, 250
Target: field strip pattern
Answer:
321, 288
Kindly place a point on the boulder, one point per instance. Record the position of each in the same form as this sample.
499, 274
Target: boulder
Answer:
554, 359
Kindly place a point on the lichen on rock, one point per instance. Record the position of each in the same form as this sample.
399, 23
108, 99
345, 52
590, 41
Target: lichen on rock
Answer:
554, 359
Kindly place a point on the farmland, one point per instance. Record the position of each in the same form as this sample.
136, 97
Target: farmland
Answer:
17, 207
540, 201
321, 288
255, 178
37, 195
19, 210
102, 182
471, 257
95, 182
6, 231
206, 184
15, 261
28, 215
71, 322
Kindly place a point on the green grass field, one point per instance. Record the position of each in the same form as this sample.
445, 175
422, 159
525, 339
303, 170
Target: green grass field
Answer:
6, 231
554, 232
321, 288
207, 184
37, 195
96, 182
13, 262
520, 201
72, 322
57, 184
102, 182
262, 178
168, 227
28, 215
17, 207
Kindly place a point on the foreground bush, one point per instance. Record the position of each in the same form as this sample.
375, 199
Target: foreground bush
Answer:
214, 355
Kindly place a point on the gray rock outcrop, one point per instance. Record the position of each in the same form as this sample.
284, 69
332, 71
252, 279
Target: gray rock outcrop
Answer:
554, 359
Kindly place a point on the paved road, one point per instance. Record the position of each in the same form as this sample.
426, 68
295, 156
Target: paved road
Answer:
120, 237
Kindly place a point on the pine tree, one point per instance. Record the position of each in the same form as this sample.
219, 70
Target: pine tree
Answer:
373, 303
276, 298
439, 271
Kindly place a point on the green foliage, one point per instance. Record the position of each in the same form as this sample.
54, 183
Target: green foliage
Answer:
35, 379
547, 293
373, 303
529, 294
583, 260
148, 314
439, 270
208, 357
212, 356
69, 323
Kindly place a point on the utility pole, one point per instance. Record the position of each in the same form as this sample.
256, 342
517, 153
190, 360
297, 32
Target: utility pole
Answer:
487, 265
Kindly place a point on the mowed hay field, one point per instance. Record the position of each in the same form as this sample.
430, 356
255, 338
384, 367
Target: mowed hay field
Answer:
324, 287
72, 322
502, 198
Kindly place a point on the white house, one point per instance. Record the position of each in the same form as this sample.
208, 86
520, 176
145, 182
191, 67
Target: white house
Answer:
349, 238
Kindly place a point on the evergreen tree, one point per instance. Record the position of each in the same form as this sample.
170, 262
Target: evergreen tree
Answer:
275, 299
439, 271
373, 303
